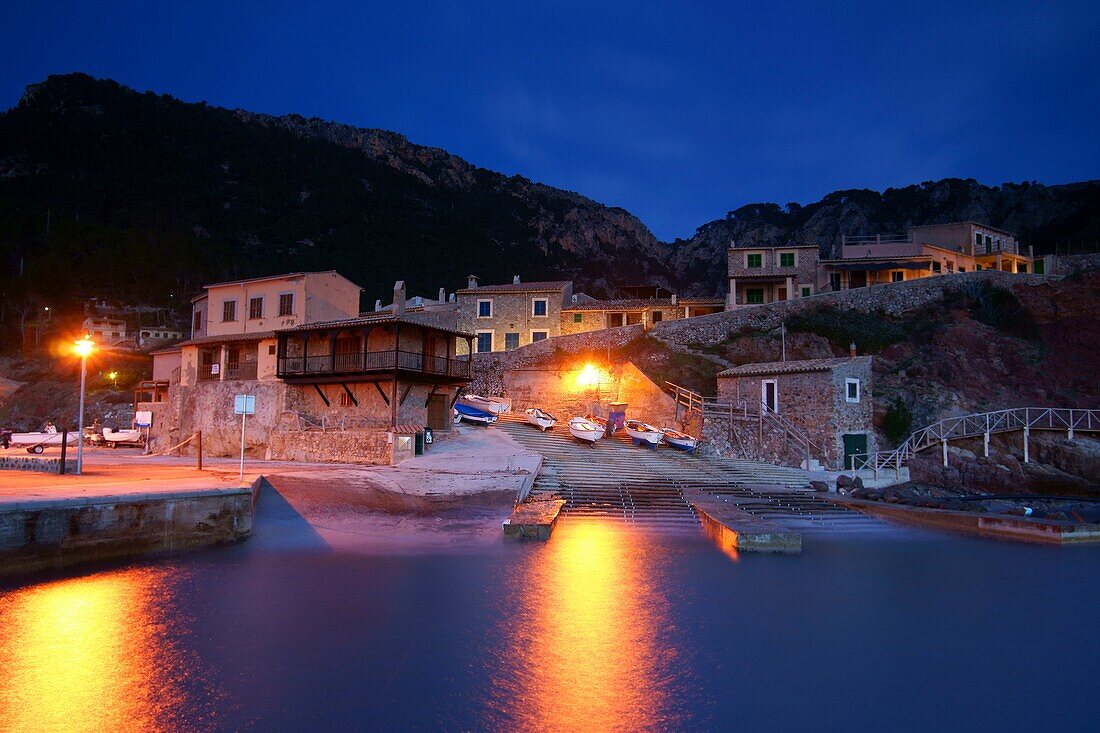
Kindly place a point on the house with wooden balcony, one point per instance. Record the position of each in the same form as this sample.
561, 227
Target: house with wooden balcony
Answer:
370, 384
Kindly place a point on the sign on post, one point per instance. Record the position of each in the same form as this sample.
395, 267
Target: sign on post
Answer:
244, 404
143, 419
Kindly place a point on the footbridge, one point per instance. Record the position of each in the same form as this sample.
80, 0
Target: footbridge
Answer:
1069, 420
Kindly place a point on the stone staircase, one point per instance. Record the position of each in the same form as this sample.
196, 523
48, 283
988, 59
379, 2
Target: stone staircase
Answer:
616, 480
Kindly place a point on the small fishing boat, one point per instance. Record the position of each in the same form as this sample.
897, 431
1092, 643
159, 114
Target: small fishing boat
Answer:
540, 419
466, 413
38, 441
115, 438
680, 441
602, 422
644, 433
585, 430
495, 405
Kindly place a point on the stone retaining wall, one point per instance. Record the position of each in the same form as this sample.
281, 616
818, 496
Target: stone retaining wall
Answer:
892, 299
370, 446
31, 463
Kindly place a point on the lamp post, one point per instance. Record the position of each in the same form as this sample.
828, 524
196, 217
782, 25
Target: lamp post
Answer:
83, 347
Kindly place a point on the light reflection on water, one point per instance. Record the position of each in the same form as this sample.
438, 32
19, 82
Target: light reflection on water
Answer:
587, 649
88, 654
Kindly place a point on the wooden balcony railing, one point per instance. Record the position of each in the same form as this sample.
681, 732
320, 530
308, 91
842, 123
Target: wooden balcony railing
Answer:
372, 361
240, 370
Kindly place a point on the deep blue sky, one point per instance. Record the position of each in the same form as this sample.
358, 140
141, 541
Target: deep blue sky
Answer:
678, 112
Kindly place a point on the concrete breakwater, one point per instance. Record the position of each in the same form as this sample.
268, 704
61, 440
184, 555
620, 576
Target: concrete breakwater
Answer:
53, 533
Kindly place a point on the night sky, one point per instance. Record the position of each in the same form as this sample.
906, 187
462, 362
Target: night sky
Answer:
678, 112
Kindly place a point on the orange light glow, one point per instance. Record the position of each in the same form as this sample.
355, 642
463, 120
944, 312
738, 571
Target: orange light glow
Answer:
585, 652
589, 377
85, 654
83, 347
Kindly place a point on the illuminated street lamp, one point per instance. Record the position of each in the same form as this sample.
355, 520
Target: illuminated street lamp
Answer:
113, 376
82, 347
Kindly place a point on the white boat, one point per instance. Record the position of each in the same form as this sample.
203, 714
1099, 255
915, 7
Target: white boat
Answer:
37, 442
602, 422
540, 419
680, 441
585, 430
644, 433
495, 405
115, 438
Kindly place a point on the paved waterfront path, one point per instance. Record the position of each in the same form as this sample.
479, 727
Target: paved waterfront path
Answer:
615, 479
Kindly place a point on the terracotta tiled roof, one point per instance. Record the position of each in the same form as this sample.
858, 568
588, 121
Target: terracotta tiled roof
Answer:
639, 303
531, 287
228, 338
430, 319
790, 367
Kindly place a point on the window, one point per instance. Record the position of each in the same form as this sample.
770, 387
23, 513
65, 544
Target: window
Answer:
977, 268
936, 267
977, 241
1021, 267
658, 316
1040, 267
229, 310
950, 266
537, 336
511, 341
851, 390
988, 243
754, 261
578, 318
786, 259
345, 399
286, 304
196, 325
271, 350
255, 308
806, 291
485, 309
484, 342
754, 295
834, 281
897, 276
538, 307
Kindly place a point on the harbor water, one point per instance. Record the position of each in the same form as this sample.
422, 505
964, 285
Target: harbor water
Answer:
602, 628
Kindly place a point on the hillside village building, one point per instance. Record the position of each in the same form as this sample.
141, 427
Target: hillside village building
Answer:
584, 315
106, 331
299, 345
827, 399
505, 317
767, 274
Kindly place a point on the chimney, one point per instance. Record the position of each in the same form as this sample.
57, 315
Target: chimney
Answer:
675, 299
852, 349
442, 295
399, 297
471, 281
378, 304
515, 279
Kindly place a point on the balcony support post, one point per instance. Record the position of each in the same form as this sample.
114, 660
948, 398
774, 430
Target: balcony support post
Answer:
393, 394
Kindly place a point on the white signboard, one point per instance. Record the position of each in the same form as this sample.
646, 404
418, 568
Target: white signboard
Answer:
143, 419
244, 404
215, 368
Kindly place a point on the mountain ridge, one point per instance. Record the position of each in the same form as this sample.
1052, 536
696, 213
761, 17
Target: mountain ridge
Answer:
135, 196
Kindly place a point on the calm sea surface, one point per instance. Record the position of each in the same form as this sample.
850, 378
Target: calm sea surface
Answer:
602, 628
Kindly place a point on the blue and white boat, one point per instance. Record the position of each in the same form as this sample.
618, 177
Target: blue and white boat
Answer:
473, 415
644, 434
680, 441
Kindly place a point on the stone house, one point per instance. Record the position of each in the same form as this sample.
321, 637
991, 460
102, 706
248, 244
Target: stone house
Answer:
505, 317
765, 274
329, 384
830, 400
582, 315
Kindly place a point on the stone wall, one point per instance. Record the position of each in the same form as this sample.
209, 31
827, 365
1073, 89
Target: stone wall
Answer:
557, 391
41, 465
1070, 264
371, 446
512, 313
892, 299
